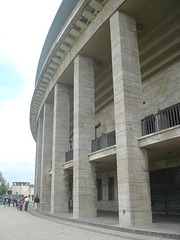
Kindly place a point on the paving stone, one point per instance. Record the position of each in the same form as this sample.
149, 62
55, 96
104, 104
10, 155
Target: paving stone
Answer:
28, 225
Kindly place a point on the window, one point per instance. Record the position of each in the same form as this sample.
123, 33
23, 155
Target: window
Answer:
99, 189
111, 188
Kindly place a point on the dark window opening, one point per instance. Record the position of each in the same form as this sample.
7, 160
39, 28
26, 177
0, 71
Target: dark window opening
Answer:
99, 189
111, 188
165, 191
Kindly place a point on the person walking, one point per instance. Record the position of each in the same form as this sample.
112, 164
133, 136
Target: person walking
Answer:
36, 202
14, 201
21, 204
26, 200
4, 202
9, 201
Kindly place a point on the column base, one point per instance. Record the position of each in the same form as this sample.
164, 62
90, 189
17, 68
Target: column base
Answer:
131, 219
45, 207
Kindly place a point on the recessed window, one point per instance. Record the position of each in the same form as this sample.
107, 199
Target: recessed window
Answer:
99, 189
111, 188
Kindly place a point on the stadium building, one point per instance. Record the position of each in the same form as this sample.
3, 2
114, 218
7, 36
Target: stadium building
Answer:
105, 112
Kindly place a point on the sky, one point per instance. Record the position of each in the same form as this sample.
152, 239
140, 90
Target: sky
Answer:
23, 28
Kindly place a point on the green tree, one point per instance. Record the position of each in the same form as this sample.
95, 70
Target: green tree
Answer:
3, 186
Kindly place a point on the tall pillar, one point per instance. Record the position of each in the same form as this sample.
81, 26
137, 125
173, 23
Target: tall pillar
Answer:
59, 186
46, 165
132, 162
38, 157
84, 188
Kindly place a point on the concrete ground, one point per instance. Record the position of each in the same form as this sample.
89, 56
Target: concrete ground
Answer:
163, 225
34, 225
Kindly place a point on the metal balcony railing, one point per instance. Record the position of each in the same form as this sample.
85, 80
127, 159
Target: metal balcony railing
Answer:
164, 119
104, 141
69, 155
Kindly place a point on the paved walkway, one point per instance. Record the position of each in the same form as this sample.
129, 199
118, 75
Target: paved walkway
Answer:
163, 226
28, 225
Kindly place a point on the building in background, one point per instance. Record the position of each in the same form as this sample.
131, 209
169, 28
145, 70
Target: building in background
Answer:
9, 190
23, 188
105, 112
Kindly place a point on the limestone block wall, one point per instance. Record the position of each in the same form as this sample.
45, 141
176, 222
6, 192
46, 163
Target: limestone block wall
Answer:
84, 190
132, 165
106, 118
24, 190
31, 193
162, 90
105, 204
165, 163
20, 190
38, 156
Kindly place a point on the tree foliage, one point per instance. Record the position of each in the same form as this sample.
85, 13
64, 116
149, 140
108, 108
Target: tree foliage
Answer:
3, 186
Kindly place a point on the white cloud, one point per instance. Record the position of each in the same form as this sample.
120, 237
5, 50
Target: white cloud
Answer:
17, 144
23, 29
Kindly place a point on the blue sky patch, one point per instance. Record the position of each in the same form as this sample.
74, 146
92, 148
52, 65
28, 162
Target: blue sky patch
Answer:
11, 81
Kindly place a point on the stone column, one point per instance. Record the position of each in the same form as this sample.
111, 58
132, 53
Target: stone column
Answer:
132, 162
59, 187
46, 165
38, 157
84, 188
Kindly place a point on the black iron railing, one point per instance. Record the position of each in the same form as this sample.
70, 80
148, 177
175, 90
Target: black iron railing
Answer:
69, 156
104, 141
166, 118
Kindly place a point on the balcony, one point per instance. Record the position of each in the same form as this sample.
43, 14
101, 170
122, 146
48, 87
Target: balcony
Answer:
69, 156
164, 119
104, 141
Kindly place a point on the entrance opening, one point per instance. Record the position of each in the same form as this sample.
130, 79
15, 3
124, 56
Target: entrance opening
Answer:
165, 191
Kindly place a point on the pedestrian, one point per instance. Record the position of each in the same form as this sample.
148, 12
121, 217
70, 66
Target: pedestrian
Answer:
21, 204
26, 200
4, 202
17, 202
36, 202
9, 201
14, 201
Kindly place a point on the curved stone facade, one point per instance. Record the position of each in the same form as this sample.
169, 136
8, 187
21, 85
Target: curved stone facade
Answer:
106, 66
